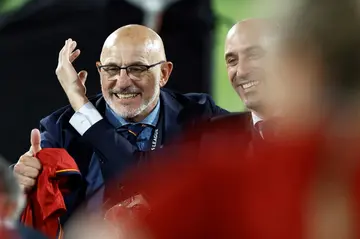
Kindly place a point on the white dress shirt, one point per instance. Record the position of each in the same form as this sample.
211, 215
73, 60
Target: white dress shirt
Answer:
256, 119
86, 117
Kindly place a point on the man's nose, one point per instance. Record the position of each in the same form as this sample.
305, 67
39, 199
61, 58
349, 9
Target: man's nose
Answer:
122, 75
242, 69
123, 79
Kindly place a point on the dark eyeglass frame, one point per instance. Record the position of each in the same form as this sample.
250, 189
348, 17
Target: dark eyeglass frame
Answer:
126, 68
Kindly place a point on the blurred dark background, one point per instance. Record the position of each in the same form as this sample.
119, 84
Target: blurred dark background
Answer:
33, 31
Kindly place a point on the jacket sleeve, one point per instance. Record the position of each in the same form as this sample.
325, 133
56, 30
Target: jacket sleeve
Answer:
47, 138
216, 110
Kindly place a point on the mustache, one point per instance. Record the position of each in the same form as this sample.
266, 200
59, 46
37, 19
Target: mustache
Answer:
127, 90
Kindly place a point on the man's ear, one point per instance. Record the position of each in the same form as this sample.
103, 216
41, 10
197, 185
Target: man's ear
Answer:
98, 64
166, 69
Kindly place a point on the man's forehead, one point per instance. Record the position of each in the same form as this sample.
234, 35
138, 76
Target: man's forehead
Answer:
127, 53
121, 61
242, 43
244, 36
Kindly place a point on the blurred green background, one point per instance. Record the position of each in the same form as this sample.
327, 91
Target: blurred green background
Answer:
234, 10
9, 5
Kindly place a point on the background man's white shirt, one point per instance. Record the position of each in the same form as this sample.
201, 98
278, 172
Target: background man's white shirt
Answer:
256, 119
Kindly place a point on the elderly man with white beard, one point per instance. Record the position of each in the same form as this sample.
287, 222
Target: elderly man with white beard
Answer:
116, 129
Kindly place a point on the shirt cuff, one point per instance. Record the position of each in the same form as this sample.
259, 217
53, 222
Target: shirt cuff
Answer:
86, 117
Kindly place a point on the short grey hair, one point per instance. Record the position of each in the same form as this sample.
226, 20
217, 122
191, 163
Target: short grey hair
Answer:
10, 187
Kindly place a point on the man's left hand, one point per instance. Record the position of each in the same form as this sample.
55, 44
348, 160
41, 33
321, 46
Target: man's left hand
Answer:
72, 82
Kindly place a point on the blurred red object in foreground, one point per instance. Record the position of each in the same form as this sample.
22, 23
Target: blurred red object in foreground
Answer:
229, 195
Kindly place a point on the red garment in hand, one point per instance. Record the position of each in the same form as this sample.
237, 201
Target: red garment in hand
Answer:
46, 203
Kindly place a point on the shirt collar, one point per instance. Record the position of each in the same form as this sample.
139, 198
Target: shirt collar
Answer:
255, 118
118, 121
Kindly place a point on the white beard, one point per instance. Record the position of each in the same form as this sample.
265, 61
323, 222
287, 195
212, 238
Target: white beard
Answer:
126, 113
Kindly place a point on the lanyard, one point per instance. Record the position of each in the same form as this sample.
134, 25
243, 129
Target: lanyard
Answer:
157, 134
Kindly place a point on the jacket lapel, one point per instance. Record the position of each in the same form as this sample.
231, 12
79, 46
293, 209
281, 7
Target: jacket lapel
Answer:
100, 105
171, 110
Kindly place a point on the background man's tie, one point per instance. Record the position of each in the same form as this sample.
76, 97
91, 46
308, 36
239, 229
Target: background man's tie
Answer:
265, 129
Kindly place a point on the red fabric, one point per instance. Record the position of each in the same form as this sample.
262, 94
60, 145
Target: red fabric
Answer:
231, 196
6, 233
46, 203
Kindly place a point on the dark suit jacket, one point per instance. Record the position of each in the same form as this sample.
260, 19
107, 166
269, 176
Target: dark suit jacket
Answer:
236, 130
231, 134
114, 152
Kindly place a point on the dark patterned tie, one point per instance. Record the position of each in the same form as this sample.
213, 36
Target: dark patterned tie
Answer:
133, 131
265, 129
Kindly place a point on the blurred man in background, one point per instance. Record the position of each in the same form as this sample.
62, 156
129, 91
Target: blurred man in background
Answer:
305, 184
133, 116
12, 202
249, 49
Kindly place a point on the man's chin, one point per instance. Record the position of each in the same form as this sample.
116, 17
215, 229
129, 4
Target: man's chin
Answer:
127, 112
252, 104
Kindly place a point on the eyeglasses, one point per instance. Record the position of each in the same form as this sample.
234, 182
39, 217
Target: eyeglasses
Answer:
133, 71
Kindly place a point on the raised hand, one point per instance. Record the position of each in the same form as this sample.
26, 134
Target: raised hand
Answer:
72, 82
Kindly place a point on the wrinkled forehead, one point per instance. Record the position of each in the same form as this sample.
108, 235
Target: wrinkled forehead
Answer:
130, 51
